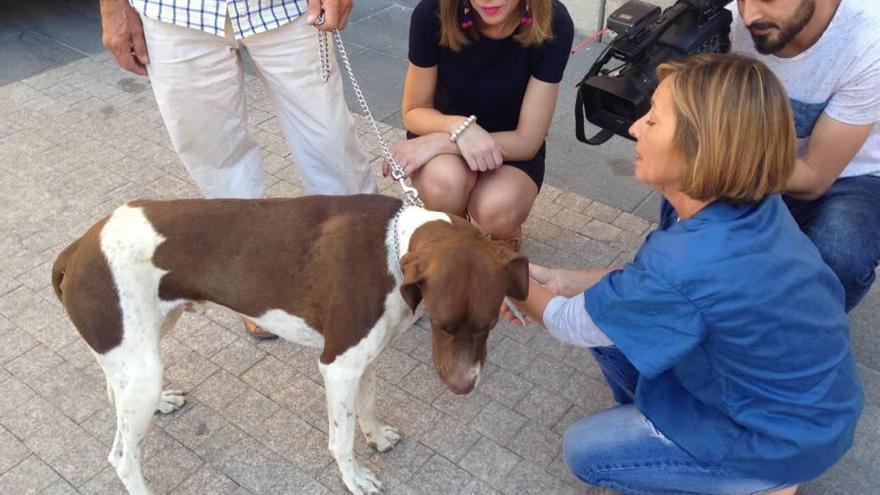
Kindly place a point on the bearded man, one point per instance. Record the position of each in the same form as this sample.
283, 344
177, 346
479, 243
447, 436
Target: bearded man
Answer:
827, 54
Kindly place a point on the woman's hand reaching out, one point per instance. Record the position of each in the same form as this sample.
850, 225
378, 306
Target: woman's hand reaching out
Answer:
551, 279
549, 282
564, 282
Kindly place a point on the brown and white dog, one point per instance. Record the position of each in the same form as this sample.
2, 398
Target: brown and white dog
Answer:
345, 274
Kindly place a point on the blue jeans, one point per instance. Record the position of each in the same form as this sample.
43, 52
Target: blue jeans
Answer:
620, 449
844, 224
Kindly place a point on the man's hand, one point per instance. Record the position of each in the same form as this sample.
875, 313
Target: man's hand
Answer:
123, 35
336, 13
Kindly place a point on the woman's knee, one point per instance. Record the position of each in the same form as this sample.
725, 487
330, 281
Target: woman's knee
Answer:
440, 189
502, 200
605, 438
500, 213
583, 447
497, 222
442, 186
577, 455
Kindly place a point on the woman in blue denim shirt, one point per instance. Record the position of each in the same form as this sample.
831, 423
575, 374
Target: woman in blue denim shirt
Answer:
725, 341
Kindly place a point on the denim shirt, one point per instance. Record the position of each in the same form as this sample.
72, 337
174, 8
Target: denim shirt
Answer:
738, 330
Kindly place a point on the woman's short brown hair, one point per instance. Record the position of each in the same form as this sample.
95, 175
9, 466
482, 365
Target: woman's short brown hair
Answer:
454, 37
734, 127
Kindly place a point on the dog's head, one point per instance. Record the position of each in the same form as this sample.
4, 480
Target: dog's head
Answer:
462, 277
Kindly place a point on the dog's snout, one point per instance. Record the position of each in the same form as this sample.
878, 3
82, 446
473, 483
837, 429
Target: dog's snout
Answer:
463, 383
461, 387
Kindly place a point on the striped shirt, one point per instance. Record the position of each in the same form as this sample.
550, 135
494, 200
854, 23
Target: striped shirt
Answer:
248, 17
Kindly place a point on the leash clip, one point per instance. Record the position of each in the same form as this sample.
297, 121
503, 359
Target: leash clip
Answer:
397, 173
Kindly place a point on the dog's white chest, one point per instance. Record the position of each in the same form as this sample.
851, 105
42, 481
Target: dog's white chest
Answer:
290, 327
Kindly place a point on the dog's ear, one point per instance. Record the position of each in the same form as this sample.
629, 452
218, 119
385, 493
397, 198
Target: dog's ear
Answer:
412, 278
517, 269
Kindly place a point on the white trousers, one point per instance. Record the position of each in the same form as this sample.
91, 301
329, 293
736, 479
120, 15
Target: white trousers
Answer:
199, 85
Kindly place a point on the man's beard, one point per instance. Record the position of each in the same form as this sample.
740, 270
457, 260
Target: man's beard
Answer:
767, 44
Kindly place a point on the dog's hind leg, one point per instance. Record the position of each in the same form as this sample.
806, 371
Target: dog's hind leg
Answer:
341, 385
379, 435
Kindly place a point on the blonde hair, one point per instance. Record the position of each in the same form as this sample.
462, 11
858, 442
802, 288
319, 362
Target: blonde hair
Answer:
734, 127
535, 33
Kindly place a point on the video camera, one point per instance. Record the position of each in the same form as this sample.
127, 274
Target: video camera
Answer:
613, 98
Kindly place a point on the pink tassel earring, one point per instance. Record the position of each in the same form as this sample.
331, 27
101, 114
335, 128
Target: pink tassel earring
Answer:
526, 15
466, 19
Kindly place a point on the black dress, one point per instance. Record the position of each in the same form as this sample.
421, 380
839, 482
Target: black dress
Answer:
488, 77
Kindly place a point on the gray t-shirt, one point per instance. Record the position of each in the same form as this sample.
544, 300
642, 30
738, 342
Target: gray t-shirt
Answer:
839, 75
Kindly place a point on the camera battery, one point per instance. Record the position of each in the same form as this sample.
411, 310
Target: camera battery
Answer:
632, 17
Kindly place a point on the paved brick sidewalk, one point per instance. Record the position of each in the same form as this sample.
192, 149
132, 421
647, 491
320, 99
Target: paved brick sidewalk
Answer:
77, 141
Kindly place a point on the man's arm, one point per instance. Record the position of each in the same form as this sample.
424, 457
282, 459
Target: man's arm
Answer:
123, 35
832, 146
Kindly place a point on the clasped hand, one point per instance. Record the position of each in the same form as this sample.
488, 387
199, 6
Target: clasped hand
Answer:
479, 149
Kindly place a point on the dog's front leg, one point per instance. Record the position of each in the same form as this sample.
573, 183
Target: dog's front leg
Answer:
341, 385
379, 435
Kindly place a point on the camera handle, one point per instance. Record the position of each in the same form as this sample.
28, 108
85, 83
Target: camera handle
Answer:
600, 137
580, 105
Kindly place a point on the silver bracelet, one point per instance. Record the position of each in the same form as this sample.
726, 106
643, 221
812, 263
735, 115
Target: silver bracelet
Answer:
454, 135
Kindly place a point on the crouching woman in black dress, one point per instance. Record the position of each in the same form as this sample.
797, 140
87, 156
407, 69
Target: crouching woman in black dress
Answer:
478, 100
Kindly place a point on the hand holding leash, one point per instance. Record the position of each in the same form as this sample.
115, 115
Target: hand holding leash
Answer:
329, 15
397, 172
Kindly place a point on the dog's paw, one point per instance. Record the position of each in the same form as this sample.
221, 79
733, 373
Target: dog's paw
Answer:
364, 482
384, 439
171, 400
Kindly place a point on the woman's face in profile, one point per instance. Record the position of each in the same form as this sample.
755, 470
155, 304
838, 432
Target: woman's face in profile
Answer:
658, 161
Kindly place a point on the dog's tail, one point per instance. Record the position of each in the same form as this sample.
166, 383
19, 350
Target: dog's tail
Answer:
60, 266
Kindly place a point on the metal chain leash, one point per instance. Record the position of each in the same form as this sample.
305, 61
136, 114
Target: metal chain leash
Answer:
397, 173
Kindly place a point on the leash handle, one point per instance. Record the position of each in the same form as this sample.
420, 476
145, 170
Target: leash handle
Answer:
397, 172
